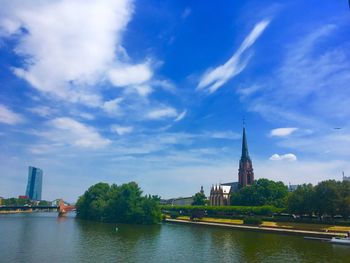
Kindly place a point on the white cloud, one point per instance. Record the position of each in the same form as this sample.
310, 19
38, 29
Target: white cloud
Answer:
161, 113
126, 75
8, 116
230, 135
287, 157
43, 111
122, 130
69, 131
281, 132
67, 45
247, 91
164, 84
143, 90
181, 116
213, 79
113, 106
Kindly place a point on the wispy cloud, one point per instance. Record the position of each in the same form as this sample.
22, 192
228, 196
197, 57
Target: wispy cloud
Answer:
230, 135
287, 157
181, 116
247, 91
213, 79
68, 131
315, 66
161, 113
43, 111
122, 130
281, 132
7, 116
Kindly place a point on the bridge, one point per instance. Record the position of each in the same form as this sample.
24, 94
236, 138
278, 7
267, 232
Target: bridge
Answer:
62, 208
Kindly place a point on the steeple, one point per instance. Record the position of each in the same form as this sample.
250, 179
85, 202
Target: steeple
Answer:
245, 171
245, 153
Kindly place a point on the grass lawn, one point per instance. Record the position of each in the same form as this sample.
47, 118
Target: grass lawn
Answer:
286, 225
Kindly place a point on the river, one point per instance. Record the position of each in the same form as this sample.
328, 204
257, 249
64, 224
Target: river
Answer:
43, 237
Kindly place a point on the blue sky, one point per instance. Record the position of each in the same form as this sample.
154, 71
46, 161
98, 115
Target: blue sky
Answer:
155, 92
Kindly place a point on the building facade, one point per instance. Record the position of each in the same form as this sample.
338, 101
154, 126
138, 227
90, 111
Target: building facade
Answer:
245, 171
177, 201
221, 194
34, 185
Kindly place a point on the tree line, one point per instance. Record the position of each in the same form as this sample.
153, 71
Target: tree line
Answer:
13, 201
328, 198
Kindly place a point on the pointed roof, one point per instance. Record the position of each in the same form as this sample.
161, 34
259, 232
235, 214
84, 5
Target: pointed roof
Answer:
245, 153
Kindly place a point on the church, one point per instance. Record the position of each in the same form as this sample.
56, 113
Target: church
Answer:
220, 194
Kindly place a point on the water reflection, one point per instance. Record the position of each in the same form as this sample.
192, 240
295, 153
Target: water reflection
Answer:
42, 237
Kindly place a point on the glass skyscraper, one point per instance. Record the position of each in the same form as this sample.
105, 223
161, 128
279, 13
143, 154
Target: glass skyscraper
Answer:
35, 181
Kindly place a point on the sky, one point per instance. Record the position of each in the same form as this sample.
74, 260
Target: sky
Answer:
156, 91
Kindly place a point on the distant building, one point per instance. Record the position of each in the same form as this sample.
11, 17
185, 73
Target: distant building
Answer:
202, 190
292, 187
177, 201
35, 181
23, 197
220, 194
346, 178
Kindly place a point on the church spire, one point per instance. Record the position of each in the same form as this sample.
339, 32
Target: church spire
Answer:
245, 153
245, 171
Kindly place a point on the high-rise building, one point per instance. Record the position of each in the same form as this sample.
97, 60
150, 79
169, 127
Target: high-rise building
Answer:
245, 171
35, 181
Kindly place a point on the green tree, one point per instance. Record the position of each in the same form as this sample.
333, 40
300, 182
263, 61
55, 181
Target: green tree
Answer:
344, 201
124, 204
262, 192
327, 197
16, 201
92, 203
302, 200
44, 203
199, 199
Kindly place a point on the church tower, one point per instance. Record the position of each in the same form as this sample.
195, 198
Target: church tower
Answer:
245, 171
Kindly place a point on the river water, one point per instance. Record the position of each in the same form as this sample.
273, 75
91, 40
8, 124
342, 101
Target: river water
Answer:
43, 237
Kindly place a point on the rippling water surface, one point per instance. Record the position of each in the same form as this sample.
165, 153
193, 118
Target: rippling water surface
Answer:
43, 237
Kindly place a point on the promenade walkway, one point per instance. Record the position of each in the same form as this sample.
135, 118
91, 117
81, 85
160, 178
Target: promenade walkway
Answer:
305, 233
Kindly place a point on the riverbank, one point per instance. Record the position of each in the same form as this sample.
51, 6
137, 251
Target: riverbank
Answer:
260, 228
16, 211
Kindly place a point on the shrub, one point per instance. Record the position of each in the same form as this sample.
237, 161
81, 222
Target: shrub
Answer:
163, 217
252, 221
197, 214
174, 214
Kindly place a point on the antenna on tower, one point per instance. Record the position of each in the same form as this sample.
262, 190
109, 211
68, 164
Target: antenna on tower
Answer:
243, 122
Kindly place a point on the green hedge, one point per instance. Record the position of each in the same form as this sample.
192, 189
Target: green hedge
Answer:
252, 221
224, 211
